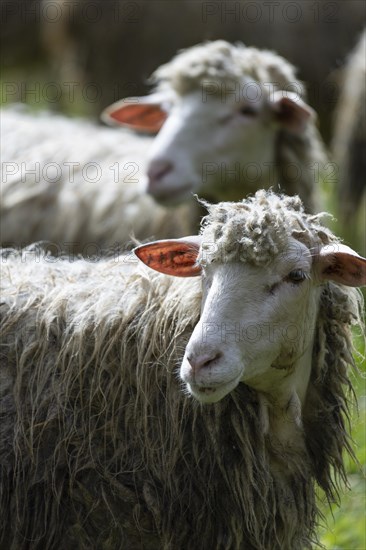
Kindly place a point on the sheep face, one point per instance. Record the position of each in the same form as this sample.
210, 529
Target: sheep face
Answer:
209, 145
257, 321
212, 142
256, 326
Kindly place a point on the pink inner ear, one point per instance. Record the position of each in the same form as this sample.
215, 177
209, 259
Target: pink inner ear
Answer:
142, 117
172, 257
341, 264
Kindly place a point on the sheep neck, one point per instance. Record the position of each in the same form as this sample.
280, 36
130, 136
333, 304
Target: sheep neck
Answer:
282, 401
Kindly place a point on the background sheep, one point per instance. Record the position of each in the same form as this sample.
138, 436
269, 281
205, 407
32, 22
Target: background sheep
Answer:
349, 143
215, 144
75, 184
237, 122
100, 447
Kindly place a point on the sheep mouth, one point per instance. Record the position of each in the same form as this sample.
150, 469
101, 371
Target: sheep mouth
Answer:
207, 390
171, 196
212, 394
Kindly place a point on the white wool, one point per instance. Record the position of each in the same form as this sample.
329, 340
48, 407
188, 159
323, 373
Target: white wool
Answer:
76, 184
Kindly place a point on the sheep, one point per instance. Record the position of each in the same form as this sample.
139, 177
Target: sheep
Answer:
195, 151
82, 194
349, 141
233, 120
132, 420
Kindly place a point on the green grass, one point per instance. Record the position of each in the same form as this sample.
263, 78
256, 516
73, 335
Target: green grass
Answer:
345, 526
36, 87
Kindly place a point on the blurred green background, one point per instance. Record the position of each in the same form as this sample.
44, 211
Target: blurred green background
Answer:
344, 526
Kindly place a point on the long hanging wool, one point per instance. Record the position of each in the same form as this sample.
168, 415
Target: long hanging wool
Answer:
101, 448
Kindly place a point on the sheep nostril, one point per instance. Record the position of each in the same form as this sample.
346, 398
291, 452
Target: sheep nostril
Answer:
157, 170
203, 361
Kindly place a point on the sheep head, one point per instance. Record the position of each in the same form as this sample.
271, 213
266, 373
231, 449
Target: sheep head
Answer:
258, 317
220, 109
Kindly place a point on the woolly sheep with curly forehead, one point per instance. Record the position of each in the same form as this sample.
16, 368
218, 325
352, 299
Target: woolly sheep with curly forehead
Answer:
100, 447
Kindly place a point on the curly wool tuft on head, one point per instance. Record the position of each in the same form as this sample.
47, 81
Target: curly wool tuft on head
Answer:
258, 228
227, 64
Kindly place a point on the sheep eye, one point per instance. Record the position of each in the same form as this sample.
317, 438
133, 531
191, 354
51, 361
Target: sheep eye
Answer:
296, 276
247, 110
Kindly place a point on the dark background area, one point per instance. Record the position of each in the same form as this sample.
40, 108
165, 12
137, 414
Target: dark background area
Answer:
78, 56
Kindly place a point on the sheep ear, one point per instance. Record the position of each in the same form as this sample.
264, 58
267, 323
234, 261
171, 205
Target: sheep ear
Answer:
341, 264
173, 257
291, 111
142, 114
